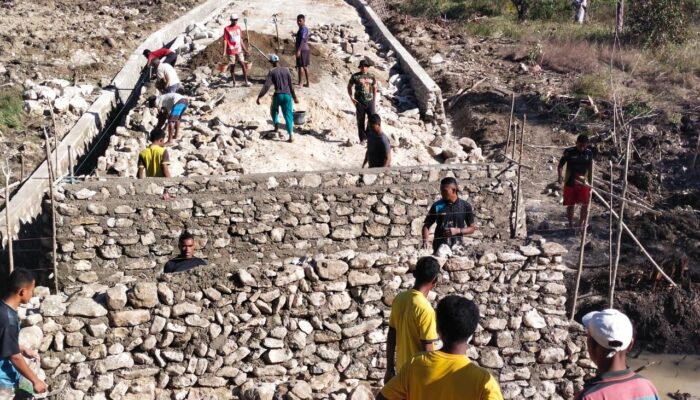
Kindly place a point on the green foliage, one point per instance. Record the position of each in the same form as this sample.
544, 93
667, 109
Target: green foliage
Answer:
655, 22
11, 109
454, 9
594, 85
550, 10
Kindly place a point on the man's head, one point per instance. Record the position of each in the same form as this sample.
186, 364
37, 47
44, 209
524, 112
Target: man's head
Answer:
610, 336
364, 66
21, 284
273, 59
449, 189
146, 53
426, 272
456, 319
234, 19
186, 244
157, 136
582, 142
375, 121
301, 20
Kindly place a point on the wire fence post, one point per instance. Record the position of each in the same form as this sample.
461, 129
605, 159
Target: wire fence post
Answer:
70, 164
21, 166
580, 255
520, 173
8, 234
53, 211
610, 229
620, 220
510, 124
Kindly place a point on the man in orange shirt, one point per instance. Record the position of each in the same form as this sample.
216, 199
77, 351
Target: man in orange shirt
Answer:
235, 49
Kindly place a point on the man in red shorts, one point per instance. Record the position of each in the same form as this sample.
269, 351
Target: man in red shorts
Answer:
579, 169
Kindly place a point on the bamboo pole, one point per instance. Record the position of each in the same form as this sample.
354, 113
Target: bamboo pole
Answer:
520, 172
621, 218
510, 123
634, 239
53, 211
580, 256
8, 234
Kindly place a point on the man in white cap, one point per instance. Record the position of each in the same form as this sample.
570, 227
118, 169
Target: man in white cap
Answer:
610, 337
235, 49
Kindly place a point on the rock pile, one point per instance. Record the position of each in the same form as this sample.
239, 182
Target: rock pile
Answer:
59, 95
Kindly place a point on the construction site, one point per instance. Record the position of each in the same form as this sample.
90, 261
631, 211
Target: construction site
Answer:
306, 249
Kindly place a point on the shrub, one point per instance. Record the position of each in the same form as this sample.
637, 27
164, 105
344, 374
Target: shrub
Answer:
655, 22
595, 85
11, 108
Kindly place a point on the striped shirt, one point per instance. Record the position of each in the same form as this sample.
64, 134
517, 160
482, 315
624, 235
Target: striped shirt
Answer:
618, 385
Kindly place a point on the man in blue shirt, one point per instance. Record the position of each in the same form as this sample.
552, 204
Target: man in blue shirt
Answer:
454, 217
303, 52
20, 289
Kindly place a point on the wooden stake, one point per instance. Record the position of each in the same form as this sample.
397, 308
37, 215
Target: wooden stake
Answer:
695, 157
70, 164
21, 166
510, 123
520, 169
610, 229
634, 238
620, 220
53, 211
8, 234
580, 256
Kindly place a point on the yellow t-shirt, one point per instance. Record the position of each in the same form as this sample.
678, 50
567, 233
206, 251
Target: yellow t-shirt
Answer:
414, 320
152, 158
437, 375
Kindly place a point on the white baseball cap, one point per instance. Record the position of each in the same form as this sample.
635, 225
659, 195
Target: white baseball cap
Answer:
234, 17
610, 329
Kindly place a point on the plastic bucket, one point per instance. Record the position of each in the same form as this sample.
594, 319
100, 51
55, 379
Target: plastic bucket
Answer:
299, 117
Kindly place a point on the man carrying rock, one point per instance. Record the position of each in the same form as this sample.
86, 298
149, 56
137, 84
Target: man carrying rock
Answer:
446, 374
454, 217
364, 98
378, 153
235, 49
164, 54
186, 260
579, 172
168, 81
14, 370
303, 52
154, 161
412, 319
171, 107
284, 93
610, 338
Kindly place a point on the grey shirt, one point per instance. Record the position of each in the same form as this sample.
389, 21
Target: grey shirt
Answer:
378, 149
281, 78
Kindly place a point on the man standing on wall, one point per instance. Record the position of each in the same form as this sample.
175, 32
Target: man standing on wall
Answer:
284, 93
303, 52
365, 97
378, 153
235, 49
454, 217
412, 319
154, 161
186, 260
14, 371
579, 172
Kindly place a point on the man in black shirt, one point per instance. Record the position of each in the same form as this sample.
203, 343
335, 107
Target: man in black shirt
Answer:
378, 153
453, 215
579, 170
186, 260
20, 289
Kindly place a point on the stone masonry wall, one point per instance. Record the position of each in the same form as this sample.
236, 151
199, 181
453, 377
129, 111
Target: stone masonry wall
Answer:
299, 328
129, 226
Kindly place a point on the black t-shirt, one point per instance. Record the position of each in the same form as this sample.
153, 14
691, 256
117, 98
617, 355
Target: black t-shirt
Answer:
9, 344
378, 149
183, 264
449, 215
578, 163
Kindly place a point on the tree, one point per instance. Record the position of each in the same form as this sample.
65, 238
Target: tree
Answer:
522, 6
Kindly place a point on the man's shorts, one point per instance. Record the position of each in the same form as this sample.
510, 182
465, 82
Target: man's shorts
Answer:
577, 194
233, 58
177, 111
304, 59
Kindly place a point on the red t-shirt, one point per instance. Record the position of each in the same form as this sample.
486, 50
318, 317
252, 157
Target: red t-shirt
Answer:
160, 53
233, 35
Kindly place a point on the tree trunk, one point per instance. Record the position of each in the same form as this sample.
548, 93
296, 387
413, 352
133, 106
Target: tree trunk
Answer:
620, 17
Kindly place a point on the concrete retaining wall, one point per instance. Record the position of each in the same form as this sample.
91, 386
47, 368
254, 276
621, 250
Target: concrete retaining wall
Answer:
427, 92
26, 203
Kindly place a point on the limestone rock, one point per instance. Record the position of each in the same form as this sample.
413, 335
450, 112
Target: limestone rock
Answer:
144, 295
552, 249
130, 317
116, 297
31, 337
533, 319
53, 306
86, 307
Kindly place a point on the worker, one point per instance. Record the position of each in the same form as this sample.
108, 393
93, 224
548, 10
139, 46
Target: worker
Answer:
412, 319
454, 217
154, 161
171, 107
186, 260
364, 98
168, 81
284, 93
235, 49
579, 174
609, 338
164, 54
378, 154
303, 52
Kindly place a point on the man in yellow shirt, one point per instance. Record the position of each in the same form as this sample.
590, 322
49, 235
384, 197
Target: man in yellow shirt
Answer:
412, 320
446, 374
154, 161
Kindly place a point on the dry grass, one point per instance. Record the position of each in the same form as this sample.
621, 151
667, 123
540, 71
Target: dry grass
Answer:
566, 57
